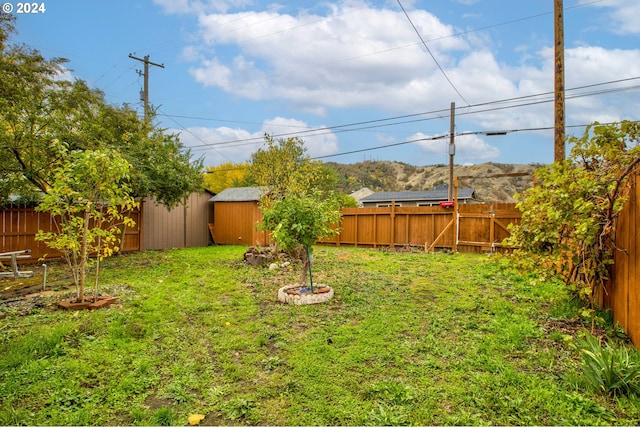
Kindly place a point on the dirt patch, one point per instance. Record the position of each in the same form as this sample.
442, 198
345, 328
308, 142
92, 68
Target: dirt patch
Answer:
22, 296
571, 327
154, 402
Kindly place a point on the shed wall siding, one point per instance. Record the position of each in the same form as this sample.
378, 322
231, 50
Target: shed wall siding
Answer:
234, 222
183, 226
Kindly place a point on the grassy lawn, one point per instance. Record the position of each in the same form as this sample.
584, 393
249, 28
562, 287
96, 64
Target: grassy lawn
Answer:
409, 338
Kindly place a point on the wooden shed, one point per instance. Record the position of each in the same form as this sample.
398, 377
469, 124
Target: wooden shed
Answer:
235, 216
183, 226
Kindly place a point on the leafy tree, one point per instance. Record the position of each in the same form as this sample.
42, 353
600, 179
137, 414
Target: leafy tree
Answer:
162, 167
346, 201
284, 166
299, 206
226, 175
88, 200
28, 89
297, 221
44, 116
568, 218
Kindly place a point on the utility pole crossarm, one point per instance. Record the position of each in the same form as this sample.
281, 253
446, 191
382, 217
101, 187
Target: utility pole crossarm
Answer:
146, 60
145, 74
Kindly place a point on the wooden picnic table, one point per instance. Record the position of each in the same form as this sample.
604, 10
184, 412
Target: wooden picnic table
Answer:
14, 256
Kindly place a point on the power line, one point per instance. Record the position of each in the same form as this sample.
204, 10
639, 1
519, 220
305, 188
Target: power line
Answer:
490, 133
433, 138
197, 137
419, 117
430, 53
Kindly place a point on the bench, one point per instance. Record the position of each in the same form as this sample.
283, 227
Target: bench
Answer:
14, 256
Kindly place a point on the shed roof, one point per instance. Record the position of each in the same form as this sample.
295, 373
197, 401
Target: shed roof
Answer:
417, 196
239, 194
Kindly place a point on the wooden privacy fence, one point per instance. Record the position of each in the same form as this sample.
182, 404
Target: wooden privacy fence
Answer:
623, 291
465, 228
21, 224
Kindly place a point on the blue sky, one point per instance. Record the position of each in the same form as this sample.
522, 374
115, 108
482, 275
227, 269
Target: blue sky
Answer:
353, 76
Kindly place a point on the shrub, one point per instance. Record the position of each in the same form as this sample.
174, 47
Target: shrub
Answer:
569, 218
609, 370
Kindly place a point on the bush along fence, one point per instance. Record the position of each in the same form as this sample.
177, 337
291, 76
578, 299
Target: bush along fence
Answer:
21, 224
461, 227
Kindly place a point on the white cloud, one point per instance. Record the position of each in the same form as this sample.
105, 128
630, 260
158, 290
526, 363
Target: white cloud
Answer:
624, 14
219, 145
358, 56
353, 57
200, 6
64, 74
319, 141
468, 148
225, 144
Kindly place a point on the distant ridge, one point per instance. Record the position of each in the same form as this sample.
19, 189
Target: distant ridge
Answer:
490, 180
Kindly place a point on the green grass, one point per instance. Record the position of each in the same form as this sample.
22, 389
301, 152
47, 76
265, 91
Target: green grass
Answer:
409, 338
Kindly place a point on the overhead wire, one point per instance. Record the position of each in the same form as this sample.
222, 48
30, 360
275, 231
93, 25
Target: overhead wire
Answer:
432, 138
391, 49
371, 124
197, 137
425, 116
431, 53
447, 136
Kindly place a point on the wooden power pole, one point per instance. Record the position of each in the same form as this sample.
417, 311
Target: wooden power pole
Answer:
559, 137
452, 148
145, 74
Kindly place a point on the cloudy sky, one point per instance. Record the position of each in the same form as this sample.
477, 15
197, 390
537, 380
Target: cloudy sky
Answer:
356, 80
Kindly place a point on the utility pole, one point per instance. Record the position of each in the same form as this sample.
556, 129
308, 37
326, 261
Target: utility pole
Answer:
559, 136
452, 148
145, 74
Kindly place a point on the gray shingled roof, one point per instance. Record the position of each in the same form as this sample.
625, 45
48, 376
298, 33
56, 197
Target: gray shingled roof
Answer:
417, 196
240, 194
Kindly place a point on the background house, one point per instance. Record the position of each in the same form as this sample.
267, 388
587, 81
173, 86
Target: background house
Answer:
416, 198
361, 194
235, 216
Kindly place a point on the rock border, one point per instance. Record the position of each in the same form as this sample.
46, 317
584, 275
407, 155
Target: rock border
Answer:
302, 299
89, 304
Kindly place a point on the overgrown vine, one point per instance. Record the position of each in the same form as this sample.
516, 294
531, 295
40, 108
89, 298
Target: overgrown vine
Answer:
569, 217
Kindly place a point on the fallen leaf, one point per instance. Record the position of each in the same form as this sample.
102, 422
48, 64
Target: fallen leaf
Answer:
194, 419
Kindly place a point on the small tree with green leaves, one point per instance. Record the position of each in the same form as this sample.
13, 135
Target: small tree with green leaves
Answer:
284, 166
299, 206
569, 217
88, 201
297, 221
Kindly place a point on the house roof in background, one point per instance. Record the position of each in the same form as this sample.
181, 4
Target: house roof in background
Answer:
239, 194
361, 193
417, 196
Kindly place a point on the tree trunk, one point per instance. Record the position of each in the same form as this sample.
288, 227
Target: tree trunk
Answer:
95, 290
83, 256
305, 265
124, 233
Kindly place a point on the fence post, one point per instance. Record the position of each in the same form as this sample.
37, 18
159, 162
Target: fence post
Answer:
393, 223
456, 215
492, 227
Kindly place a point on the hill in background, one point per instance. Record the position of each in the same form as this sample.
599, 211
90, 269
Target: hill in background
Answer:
396, 176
